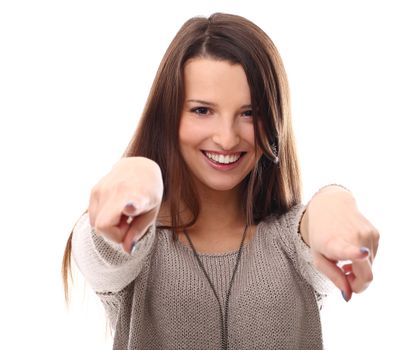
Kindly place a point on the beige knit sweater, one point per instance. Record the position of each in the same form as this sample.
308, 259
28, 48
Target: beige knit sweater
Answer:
159, 298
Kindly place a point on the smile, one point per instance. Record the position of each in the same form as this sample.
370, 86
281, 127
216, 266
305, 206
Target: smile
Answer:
223, 159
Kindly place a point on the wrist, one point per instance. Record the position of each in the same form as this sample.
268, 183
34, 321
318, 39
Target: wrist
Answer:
303, 227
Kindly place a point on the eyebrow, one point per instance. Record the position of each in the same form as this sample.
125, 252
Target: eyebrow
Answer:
213, 104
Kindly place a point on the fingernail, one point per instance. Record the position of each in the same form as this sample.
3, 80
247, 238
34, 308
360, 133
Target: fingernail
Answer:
344, 296
364, 250
129, 208
133, 247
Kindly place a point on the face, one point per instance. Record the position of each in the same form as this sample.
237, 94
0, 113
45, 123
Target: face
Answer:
216, 131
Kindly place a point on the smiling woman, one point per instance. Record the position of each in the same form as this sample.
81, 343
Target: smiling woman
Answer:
197, 238
216, 133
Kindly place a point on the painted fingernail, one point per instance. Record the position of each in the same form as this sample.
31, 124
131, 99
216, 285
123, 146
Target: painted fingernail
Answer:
133, 247
129, 208
344, 295
364, 250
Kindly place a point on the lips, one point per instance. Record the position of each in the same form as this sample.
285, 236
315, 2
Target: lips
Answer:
220, 158
223, 161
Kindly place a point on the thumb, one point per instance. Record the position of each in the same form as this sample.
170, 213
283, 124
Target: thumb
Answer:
340, 249
130, 209
138, 204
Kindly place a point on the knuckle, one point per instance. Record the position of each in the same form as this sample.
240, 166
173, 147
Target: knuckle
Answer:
363, 282
94, 195
364, 232
356, 289
376, 235
359, 288
370, 236
369, 276
367, 234
100, 226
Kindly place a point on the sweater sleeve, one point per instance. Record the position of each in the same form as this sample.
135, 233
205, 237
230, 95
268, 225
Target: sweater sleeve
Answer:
299, 251
104, 264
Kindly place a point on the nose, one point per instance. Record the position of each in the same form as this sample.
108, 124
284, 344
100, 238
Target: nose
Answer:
226, 134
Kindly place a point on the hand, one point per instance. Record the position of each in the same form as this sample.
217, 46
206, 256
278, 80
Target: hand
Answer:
336, 231
132, 189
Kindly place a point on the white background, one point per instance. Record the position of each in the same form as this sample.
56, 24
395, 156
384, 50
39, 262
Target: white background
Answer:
74, 76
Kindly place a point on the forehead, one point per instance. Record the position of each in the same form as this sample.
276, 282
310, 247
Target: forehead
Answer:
213, 80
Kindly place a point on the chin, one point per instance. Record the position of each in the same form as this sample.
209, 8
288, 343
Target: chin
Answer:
222, 186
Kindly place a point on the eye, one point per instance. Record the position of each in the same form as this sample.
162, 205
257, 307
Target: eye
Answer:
200, 110
248, 113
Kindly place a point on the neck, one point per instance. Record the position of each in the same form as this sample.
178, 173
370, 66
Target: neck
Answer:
219, 210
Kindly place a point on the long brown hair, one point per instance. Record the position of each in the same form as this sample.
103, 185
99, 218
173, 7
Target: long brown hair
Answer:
273, 186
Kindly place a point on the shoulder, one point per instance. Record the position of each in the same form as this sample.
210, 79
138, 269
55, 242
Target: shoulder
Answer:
283, 226
286, 220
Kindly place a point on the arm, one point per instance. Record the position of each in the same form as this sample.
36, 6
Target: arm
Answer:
104, 263
299, 252
336, 231
104, 238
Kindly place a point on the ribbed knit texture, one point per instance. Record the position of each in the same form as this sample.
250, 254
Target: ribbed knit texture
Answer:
159, 298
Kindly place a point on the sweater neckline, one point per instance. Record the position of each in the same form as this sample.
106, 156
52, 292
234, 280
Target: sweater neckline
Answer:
219, 255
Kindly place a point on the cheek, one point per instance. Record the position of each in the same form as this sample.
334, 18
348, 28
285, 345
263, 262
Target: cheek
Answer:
191, 133
185, 132
187, 137
248, 135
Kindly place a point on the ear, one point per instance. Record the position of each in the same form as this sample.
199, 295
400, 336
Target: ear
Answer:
273, 148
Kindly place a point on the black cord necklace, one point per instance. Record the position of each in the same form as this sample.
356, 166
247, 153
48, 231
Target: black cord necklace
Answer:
223, 317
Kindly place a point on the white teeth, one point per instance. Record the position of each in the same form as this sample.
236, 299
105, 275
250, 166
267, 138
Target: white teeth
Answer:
220, 158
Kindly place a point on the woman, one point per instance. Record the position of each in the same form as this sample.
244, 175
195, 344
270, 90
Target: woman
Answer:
197, 238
